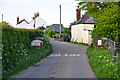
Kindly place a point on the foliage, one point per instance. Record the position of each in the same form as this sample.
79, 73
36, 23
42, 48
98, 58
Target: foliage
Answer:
47, 26
107, 23
5, 24
106, 18
17, 54
66, 32
84, 44
102, 64
49, 32
46, 31
53, 36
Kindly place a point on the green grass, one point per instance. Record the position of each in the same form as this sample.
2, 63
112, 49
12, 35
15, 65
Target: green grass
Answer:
102, 64
33, 55
84, 44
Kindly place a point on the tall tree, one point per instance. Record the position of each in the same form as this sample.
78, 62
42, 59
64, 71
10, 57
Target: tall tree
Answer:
106, 17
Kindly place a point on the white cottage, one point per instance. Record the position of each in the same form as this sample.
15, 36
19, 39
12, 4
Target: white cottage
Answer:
22, 24
82, 28
82, 33
37, 21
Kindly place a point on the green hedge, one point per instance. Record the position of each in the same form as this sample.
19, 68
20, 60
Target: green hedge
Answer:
102, 64
17, 53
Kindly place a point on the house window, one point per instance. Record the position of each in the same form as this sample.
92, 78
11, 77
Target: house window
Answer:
94, 26
89, 32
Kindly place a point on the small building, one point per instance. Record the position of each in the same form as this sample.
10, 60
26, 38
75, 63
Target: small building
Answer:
82, 28
55, 27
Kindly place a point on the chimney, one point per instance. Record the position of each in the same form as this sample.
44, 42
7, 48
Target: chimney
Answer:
37, 14
78, 13
33, 18
17, 20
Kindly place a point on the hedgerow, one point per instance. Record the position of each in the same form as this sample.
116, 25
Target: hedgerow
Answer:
102, 64
17, 53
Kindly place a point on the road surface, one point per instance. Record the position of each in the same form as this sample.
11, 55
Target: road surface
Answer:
66, 61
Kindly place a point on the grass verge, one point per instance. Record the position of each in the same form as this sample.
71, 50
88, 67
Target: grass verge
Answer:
84, 44
102, 64
32, 56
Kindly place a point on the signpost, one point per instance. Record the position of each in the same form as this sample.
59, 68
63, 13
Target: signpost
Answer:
99, 42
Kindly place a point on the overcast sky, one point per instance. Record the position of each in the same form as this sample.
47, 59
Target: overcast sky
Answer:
48, 10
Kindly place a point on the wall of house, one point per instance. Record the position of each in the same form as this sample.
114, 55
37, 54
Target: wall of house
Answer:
23, 25
38, 22
81, 33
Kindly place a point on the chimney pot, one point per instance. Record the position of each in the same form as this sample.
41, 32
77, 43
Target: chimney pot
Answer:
17, 20
77, 6
78, 13
37, 14
33, 18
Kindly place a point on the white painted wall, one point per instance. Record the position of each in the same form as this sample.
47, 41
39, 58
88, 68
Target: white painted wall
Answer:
38, 22
23, 25
80, 33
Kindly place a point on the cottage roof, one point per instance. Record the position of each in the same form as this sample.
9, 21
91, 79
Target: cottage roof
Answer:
85, 20
55, 27
22, 21
41, 28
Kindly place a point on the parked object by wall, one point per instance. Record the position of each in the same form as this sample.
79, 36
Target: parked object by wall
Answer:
100, 42
37, 43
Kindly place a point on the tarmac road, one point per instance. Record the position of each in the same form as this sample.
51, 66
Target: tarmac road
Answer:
66, 61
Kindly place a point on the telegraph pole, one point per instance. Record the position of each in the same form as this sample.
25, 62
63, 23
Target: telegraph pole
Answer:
60, 21
2, 17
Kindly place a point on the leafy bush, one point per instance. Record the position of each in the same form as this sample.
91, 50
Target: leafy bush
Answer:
49, 32
46, 31
53, 36
66, 32
17, 53
106, 17
102, 64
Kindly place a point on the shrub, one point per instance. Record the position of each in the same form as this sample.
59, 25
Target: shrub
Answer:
17, 53
66, 32
50, 33
53, 36
46, 31
102, 64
